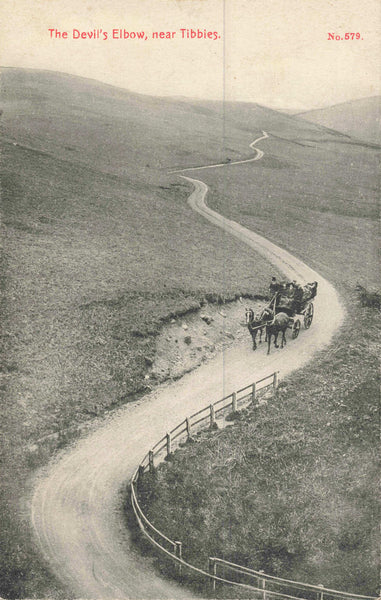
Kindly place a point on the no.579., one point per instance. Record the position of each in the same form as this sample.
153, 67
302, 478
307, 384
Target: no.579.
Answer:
344, 36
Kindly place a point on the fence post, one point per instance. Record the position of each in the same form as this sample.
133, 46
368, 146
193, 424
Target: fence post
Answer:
179, 554
234, 402
275, 382
169, 444
188, 427
212, 415
150, 461
320, 595
262, 584
253, 392
140, 472
213, 571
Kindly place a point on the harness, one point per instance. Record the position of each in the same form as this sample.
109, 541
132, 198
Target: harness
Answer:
272, 301
257, 327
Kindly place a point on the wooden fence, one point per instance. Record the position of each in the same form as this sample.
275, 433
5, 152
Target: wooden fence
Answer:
260, 585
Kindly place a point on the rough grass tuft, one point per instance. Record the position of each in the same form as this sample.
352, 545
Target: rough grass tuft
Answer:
370, 299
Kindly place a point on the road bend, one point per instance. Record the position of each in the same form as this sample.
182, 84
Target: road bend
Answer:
77, 501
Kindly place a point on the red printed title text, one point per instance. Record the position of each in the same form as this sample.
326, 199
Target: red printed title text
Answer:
124, 34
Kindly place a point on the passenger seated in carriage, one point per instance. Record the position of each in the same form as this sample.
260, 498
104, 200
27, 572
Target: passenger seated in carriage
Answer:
310, 290
290, 296
297, 298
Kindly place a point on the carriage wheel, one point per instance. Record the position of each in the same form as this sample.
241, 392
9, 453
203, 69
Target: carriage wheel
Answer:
295, 329
309, 315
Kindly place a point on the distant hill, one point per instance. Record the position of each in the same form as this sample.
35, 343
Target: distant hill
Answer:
358, 118
289, 111
118, 131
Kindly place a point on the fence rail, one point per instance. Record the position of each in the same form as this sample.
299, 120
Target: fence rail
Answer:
263, 580
256, 581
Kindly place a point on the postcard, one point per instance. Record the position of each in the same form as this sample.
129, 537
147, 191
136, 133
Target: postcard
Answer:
191, 299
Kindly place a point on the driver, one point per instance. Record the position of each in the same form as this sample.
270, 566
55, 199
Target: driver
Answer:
274, 286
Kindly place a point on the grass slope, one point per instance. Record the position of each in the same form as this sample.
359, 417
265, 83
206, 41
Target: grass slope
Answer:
359, 118
292, 489
100, 248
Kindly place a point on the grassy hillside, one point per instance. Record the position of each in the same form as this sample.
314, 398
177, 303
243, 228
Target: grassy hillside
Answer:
100, 249
359, 118
292, 488
316, 196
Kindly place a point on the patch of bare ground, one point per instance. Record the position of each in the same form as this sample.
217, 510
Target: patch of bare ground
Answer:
187, 342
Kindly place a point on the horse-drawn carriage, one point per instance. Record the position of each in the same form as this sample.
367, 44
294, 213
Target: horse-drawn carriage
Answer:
290, 305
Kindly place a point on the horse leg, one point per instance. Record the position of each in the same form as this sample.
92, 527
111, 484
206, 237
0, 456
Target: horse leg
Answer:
276, 339
260, 335
268, 336
254, 335
284, 341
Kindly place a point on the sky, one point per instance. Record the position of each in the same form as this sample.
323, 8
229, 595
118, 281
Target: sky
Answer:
273, 52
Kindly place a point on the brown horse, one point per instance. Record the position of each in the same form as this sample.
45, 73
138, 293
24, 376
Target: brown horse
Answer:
255, 324
276, 324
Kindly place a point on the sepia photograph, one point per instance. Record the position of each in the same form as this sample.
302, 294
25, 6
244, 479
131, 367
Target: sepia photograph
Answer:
190, 307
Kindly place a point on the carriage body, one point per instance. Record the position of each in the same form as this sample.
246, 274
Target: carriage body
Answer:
298, 309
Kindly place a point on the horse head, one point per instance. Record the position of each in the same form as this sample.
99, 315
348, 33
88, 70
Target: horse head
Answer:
249, 315
255, 325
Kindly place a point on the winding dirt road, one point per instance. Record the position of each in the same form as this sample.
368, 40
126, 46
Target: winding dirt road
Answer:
76, 508
258, 154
